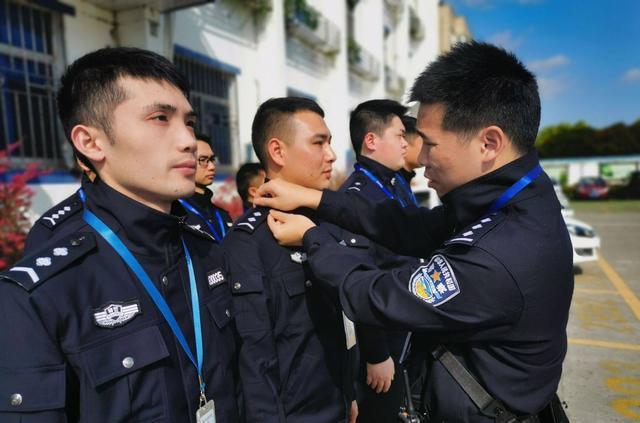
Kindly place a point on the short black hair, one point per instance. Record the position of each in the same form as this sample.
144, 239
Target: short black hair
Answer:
272, 116
479, 84
202, 137
372, 116
245, 174
409, 123
89, 90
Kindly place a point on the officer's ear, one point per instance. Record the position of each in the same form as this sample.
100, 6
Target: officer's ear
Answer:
276, 149
89, 141
493, 141
369, 142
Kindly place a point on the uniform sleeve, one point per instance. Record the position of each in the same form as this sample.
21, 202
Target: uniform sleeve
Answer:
414, 231
32, 368
373, 343
463, 293
257, 358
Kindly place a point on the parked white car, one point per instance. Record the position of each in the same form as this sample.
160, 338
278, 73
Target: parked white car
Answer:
584, 240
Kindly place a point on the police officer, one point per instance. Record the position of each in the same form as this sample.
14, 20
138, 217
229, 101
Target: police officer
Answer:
377, 136
125, 315
248, 179
493, 301
203, 214
293, 353
414, 145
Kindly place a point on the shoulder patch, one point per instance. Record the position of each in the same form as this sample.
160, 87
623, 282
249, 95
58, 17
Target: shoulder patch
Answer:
474, 232
253, 218
61, 212
434, 283
53, 257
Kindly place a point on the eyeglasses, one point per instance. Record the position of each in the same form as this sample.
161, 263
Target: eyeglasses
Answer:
204, 161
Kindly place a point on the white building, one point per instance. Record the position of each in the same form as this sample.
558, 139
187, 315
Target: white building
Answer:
236, 55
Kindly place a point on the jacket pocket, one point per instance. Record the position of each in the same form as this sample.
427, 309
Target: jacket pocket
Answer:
126, 378
32, 389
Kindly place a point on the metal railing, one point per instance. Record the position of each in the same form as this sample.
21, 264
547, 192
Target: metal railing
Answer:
27, 95
394, 83
314, 29
363, 63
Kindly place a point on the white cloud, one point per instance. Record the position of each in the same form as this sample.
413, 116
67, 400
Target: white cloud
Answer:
551, 87
506, 39
553, 62
631, 76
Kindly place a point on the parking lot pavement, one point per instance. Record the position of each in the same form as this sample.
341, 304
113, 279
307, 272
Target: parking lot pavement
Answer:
601, 380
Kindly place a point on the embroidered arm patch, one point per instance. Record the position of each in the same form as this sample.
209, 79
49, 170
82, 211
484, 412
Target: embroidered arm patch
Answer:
434, 283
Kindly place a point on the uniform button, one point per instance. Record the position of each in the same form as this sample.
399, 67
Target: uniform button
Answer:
308, 283
165, 281
227, 312
237, 286
353, 240
75, 242
128, 362
16, 400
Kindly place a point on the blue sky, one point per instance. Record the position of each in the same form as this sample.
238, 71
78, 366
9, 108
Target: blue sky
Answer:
585, 53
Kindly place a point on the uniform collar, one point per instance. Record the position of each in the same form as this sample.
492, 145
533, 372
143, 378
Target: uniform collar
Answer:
378, 169
408, 175
144, 230
471, 201
202, 201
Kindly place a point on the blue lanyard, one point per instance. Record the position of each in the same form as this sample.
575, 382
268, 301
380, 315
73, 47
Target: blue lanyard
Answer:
215, 234
376, 181
115, 242
514, 189
407, 188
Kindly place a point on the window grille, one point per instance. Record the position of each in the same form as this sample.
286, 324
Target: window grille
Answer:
27, 94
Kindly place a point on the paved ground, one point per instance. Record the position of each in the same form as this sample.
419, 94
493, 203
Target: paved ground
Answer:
601, 381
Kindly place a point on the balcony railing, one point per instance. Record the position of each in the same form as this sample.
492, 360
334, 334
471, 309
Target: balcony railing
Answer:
416, 27
258, 6
394, 83
363, 63
312, 28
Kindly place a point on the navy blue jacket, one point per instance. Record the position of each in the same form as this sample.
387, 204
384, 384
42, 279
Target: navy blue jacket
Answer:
82, 340
202, 203
293, 361
497, 293
377, 345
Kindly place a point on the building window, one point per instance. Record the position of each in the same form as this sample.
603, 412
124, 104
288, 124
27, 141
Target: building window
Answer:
27, 95
211, 95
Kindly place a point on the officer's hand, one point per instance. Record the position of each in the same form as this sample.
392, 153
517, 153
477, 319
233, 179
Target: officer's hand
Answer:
353, 413
287, 228
380, 375
283, 195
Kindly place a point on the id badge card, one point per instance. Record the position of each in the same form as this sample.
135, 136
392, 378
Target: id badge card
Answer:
349, 331
206, 413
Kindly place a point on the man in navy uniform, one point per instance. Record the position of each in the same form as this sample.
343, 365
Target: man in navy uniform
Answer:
248, 179
203, 214
493, 301
378, 139
414, 145
293, 354
126, 315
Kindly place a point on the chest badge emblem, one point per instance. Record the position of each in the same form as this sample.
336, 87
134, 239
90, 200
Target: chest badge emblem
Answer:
116, 313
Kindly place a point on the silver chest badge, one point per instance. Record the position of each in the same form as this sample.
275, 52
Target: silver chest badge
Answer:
116, 313
299, 257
